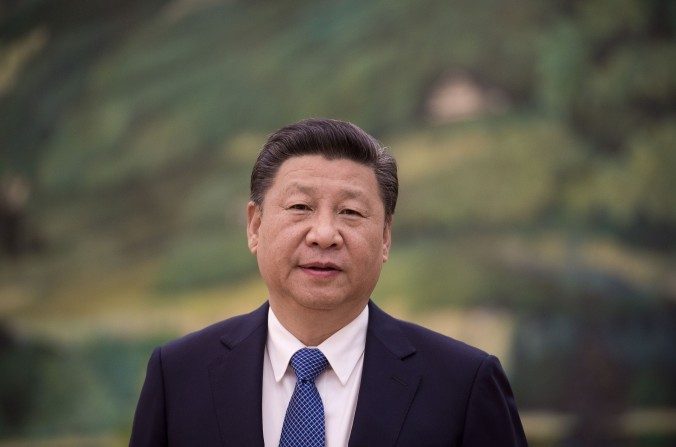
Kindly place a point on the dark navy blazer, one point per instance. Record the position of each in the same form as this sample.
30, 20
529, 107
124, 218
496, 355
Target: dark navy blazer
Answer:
418, 388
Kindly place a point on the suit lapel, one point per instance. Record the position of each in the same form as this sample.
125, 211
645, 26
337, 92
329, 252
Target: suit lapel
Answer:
236, 380
388, 385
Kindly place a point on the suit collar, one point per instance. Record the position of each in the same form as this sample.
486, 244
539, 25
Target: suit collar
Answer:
243, 326
387, 330
389, 382
236, 379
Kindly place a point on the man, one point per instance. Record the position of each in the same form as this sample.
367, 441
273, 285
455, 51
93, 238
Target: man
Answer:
319, 364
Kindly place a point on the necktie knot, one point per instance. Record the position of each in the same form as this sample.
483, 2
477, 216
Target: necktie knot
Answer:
308, 363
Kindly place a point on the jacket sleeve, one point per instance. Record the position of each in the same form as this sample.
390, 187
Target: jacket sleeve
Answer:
149, 428
491, 418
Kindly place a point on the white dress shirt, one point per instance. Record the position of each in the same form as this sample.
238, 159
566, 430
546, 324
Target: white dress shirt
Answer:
338, 385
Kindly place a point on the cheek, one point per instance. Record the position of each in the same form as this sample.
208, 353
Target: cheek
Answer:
278, 243
371, 250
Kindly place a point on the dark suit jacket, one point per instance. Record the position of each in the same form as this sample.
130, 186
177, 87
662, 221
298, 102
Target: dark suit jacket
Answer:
418, 388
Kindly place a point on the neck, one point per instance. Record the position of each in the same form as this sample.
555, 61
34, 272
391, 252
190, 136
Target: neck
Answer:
313, 326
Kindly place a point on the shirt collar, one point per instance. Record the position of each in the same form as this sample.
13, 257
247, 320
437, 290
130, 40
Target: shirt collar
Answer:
343, 349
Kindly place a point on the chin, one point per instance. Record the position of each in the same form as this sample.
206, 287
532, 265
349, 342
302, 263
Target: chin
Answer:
318, 303
326, 302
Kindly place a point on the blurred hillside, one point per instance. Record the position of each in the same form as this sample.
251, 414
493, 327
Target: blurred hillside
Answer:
537, 217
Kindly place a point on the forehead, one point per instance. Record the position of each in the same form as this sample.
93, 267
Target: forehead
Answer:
317, 174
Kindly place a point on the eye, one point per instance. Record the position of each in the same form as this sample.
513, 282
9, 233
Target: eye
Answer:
299, 207
351, 212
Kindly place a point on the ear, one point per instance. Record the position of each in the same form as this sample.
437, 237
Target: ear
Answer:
387, 239
253, 223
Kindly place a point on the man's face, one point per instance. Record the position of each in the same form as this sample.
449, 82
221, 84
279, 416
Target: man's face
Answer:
321, 236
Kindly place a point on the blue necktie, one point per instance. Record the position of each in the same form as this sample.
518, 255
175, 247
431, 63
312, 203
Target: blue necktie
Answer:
304, 420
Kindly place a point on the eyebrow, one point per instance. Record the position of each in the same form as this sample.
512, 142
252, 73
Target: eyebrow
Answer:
349, 193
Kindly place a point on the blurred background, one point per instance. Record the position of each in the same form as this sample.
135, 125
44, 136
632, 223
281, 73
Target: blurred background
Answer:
537, 218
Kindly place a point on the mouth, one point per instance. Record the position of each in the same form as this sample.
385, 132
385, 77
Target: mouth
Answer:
320, 268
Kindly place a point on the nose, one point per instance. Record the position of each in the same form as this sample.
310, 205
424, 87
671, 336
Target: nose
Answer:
324, 233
